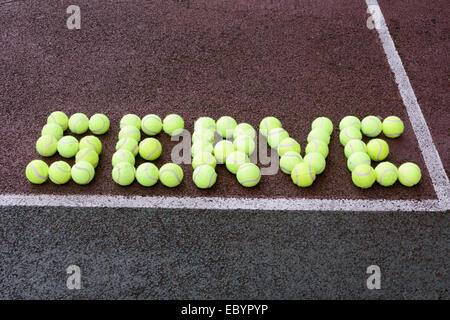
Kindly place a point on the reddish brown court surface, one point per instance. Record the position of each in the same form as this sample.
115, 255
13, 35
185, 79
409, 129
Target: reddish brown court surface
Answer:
247, 59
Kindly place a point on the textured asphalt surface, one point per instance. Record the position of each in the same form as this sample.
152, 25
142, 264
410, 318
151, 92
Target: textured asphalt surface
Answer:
164, 254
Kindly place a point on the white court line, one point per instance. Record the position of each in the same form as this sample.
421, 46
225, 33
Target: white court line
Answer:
426, 144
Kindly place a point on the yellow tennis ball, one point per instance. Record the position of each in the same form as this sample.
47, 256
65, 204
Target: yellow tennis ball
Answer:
204, 176
204, 158
244, 129
123, 173
303, 175
151, 124
317, 146
378, 149
245, 144
129, 144
88, 155
289, 160
317, 161
147, 174
235, 160
203, 134
267, 124
130, 132
99, 124
349, 121
354, 145
371, 126
173, 125
37, 172
393, 127
222, 149
201, 146
248, 175
319, 134
83, 172
275, 136
68, 146
348, 134
130, 120
363, 176
52, 129
150, 149
60, 118
356, 159
323, 123
91, 142
59, 172
207, 123
122, 155
409, 174
288, 144
387, 174
171, 175
46, 146
78, 123
225, 126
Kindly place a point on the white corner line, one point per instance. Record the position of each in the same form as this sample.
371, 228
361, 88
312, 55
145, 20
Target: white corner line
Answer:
429, 151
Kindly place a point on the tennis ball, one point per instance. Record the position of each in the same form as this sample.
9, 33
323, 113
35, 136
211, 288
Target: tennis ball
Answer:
288, 144
319, 134
60, 118
83, 172
130, 132
248, 175
91, 142
203, 134
147, 174
123, 173
387, 173
171, 175
150, 149
52, 129
354, 145
78, 123
363, 176
317, 146
225, 126
348, 134
393, 127
88, 155
37, 172
99, 124
205, 123
244, 129
245, 144
203, 158
371, 126
349, 121
122, 155
275, 136
46, 146
378, 149
235, 160
289, 160
316, 160
267, 124
303, 175
356, 159
129, 144
204, 176
222, 149
130, 119
201, 146
173, 125
323, 123
68, 146
59, 172
151, 124
409, 174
